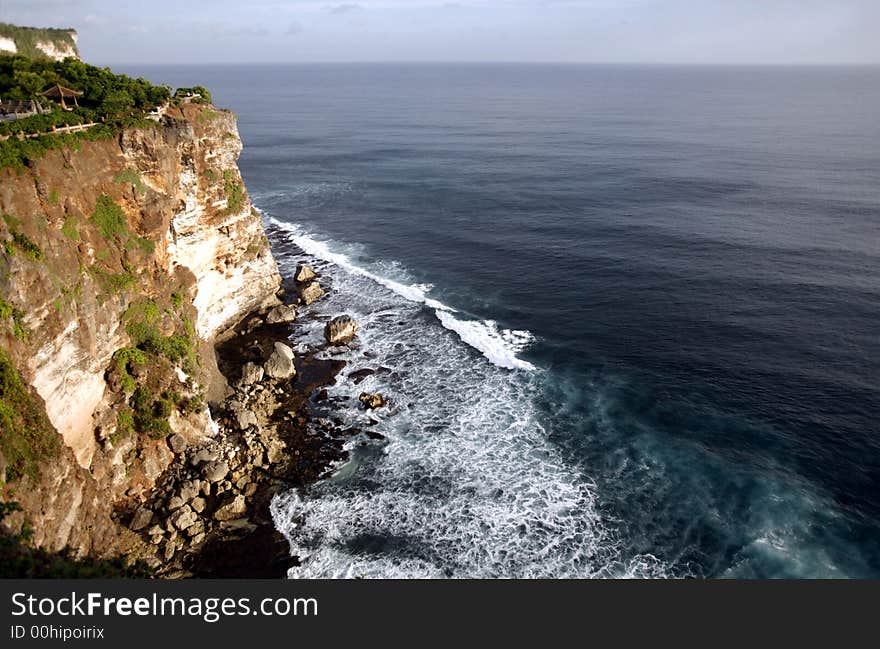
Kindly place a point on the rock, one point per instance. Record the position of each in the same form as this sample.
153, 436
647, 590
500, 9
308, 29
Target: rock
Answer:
203, 456
175, 502
371, 401
199, 504
198, 539
241, 525
231, 510
283, 313
340, 329
195, 529
276, 451
310, 293
215, 471
250, 490
177, 444
189, 490
156, 529
245, 418
253, 323
280, 363
170, 549
142, 517
183, 518
251, 373
304, 274
359, 375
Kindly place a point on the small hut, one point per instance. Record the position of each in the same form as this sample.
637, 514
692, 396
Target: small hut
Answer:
59, 93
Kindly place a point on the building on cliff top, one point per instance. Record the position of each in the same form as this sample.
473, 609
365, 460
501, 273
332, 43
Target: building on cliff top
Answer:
58, 93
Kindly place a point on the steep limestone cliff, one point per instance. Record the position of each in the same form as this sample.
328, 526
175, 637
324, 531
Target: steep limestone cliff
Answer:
122, 263
55, 44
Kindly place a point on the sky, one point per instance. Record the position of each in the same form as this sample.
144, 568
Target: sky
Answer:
596, 31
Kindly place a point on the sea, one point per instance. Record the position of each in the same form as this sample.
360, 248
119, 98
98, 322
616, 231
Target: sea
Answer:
627, 317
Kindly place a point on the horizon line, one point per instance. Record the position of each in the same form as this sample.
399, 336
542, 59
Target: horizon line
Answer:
802, 64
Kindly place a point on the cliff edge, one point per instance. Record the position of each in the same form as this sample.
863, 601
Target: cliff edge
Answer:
54, 44
124, 260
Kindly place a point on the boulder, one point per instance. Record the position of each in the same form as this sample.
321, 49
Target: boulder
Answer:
244, 417
175, 502
183, 518
304, 274
177, 444
188, 490
231, 510
203, 456
280, 363
311, 292
215, 471
251, 373
141, 519
371, 401
283, 313
340, 329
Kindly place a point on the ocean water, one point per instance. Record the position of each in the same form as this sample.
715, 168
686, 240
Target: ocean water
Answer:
627, 317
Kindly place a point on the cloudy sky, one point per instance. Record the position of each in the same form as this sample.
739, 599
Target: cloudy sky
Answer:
659, 31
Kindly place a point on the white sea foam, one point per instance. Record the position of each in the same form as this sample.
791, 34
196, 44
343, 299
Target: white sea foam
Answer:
467, 483
500, 346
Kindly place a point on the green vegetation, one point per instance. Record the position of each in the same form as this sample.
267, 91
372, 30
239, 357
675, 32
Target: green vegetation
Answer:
196, 95
112, 101
20, 559
54, 198
126, 361
26, 39
109, 218
144, 368
70, 229
141, 326
111, 222
210, 176
19, 329
20, 241
26, 435
147, 246
131, 176
150, 413
234, 192
27, 247
114, 283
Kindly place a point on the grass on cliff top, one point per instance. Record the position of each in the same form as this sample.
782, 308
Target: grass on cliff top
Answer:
26, 434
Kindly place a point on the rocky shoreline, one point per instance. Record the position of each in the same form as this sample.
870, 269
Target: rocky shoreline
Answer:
209, 514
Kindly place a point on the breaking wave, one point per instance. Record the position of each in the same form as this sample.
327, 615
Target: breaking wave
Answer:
466, 482
500, 346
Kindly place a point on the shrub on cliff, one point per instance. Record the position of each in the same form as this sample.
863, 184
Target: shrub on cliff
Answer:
20, 559
26, 435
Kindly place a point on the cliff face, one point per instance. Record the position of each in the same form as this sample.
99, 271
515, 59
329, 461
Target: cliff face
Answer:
56, 44
122, 263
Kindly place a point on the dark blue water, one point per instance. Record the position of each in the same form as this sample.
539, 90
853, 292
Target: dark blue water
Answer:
696, 254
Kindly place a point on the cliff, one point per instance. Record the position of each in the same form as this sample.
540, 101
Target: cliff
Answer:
55, 44
124, 261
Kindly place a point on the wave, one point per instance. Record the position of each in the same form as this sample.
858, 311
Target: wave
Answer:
467, 482
500, 346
